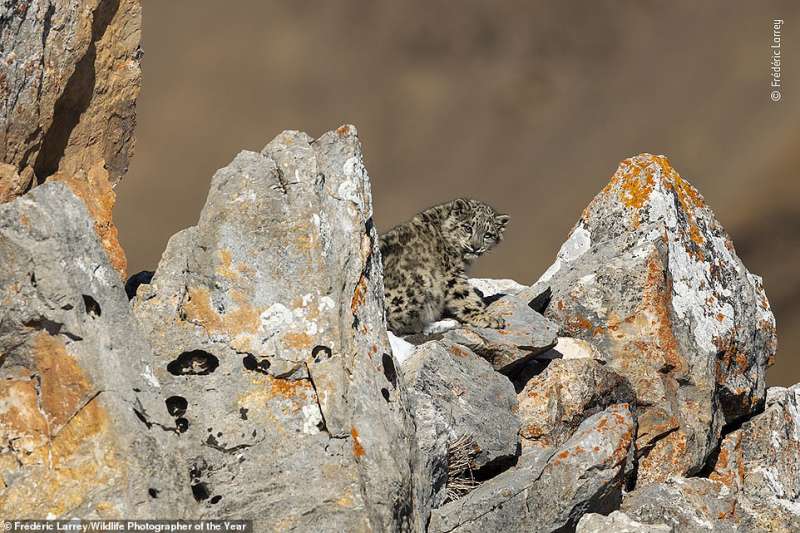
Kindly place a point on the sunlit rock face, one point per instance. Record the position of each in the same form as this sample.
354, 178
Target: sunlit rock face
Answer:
650, 276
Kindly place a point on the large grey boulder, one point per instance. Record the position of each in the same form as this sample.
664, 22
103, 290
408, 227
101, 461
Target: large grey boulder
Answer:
268, 328
650, 276
549, 490
83, 429
453, 393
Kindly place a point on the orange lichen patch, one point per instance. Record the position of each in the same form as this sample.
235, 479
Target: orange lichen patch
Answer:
21, 421
602, 425
94, 189
64, 386
359, 294
225, 261
358, 450
289, 388
564, 454
345, 501
242, 319
80, 458
579, 449
344, 129
298, 341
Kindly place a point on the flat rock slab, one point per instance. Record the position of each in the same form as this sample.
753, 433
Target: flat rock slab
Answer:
618, 522
527, 334
549, 490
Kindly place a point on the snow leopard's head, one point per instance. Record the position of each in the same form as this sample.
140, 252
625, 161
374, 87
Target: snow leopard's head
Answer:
475, 227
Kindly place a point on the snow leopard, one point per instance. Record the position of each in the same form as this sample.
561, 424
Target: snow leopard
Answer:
425, 263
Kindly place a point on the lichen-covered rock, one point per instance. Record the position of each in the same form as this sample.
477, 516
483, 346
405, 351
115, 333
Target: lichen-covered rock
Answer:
526, 334
554, 403
455, 393
77, 380
267, 323
761, 460
687, 504
68, 82
651, 278
549, 490
617, 522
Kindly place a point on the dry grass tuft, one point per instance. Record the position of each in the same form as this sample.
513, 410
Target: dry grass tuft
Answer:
460, 476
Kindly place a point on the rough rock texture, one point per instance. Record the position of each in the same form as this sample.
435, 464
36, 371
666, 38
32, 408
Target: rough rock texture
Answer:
268, 327
651, 277
453, 392
555, 402
527, 334
687, 504
69, 79
617, 522
77, 376
549, 490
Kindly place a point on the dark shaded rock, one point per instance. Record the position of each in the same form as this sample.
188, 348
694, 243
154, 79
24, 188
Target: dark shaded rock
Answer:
140, 278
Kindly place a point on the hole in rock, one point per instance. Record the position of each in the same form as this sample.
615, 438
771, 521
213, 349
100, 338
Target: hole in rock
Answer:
200, 491
153, 492
134, 282
385, 393
389, 370
92, 307
181, 424
243, 413
215, 499
176, 405
251, 363
193, 363
320, 352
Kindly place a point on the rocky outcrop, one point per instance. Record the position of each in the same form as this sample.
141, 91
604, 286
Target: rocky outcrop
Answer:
68, 82
651, 278
270, 345
251, 374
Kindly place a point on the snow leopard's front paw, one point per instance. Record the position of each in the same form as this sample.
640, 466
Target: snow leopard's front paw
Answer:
486, 320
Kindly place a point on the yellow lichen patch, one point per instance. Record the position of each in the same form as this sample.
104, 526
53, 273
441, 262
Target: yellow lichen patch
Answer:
358, 449
64, 386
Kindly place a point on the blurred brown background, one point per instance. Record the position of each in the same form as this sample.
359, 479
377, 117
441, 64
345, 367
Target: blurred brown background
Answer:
527, 105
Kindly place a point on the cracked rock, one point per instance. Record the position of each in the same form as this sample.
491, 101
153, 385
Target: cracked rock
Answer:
617, 522
652, 279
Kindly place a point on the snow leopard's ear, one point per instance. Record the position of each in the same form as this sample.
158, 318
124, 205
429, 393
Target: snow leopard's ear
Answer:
502, 220
460, 207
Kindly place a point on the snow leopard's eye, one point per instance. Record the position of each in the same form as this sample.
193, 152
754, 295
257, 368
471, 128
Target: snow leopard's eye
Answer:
467, 228
489, 236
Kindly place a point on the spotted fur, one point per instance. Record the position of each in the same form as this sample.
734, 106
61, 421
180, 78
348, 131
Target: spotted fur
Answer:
425, 262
